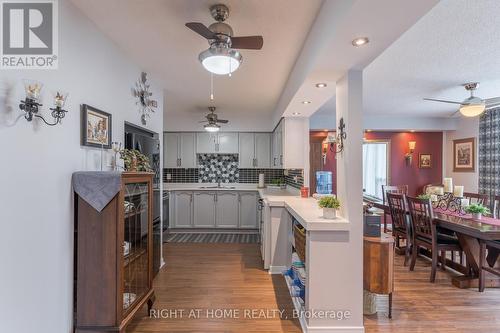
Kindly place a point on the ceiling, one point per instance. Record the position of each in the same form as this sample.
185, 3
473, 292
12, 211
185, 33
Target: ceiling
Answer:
456, 42
153, 34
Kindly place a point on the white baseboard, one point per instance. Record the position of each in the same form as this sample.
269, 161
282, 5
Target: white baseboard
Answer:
277, 269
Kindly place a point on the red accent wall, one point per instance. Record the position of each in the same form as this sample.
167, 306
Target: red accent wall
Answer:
413, 176
331, 162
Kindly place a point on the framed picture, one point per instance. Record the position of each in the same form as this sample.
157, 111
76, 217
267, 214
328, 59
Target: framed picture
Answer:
425, 161
464, 155
96, 127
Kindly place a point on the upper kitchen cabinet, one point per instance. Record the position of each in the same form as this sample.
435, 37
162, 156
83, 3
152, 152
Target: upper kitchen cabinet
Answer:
290, 144
179, 150
255, 150
216, 143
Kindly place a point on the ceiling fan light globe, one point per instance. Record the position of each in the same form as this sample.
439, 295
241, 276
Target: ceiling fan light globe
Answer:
211, 128
220, 61
472, 110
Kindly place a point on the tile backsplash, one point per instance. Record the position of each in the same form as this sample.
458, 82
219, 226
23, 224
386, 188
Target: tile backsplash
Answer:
225, 167
213, 168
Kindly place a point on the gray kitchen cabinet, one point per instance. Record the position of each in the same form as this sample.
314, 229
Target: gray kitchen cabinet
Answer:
170, 150
277, 147
254, 150
182, 210
226, 209
227, 143
204, 209
248, 210
206, 143
262, 150
179, 150
246, 156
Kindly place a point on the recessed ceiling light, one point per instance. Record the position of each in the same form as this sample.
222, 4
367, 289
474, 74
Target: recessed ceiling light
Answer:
296, 114
360, 41
306, 102
321, 85
368, 130
413, 131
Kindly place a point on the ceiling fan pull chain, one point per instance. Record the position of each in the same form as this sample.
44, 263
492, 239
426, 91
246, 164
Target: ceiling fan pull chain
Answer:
229, 59
211, 86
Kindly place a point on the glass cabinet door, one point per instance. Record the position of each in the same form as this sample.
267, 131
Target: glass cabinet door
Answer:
135, 245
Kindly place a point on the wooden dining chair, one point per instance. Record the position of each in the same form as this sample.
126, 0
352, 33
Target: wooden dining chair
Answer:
495, 207
476, 198
425, 234
397, 189
400, 225
485, 265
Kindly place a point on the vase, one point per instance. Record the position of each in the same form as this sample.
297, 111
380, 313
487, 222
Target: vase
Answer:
477, 216
329, 213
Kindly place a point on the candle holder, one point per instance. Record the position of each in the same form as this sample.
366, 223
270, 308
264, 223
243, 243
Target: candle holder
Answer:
449, 202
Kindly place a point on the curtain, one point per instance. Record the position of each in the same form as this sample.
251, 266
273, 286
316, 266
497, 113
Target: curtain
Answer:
374, 168
489, 152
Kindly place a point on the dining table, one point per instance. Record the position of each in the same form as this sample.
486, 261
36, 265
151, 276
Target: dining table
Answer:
469, 232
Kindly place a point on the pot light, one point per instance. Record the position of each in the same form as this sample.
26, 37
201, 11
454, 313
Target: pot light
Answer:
472, 110
296, 114
211, 127
360, 41
321, 85
220, 60
306, 102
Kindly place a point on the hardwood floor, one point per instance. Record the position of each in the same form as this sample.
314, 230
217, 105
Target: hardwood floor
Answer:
229, 276
217, 276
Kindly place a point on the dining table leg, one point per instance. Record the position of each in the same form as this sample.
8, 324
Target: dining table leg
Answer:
471, 250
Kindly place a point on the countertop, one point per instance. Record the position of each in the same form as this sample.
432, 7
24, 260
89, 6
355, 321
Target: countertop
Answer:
305, 211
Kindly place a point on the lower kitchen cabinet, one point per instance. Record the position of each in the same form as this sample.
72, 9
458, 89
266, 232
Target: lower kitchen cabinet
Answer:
227, 210
204, 209
182, 209
214, 209
248, 210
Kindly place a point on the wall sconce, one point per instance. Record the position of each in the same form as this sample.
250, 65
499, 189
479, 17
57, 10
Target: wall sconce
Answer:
324, 150
30, 105
411, 149
339, 138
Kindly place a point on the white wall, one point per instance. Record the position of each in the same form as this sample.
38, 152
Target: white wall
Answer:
36, 251
466, 128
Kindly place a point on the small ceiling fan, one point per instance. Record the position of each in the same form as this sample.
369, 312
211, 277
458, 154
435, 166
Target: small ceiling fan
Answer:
472, 106
213, 121
221, 57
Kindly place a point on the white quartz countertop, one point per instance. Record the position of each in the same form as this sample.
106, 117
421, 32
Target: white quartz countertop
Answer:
209, 187
307, 212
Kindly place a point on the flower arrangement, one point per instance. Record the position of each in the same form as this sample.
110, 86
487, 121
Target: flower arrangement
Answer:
477, 210
424, 196
135, 161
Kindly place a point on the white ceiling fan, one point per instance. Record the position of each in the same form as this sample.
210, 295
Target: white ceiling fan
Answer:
472, 106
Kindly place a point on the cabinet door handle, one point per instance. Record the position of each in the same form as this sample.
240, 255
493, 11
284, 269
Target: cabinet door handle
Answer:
281, 159
215, 198
180, 161
274, 161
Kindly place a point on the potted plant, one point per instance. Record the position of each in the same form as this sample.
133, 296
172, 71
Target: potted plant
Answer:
477, 210
330, 205
424, 196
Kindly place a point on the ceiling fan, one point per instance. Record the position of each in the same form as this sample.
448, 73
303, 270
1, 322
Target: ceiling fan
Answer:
221, 57
472, 106
213, 121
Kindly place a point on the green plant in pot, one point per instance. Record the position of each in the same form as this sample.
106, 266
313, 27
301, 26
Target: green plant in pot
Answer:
330, 205
133, 160
424, 196
477, 210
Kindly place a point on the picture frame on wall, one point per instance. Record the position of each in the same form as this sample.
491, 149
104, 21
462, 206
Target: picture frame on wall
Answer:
464, 155
425, 161
96, 127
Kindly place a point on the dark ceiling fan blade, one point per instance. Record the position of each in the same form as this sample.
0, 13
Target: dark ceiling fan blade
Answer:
443, 101
222, 121
201, 29
247, 42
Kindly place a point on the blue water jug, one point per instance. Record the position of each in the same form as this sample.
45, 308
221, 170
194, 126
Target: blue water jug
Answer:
323, 182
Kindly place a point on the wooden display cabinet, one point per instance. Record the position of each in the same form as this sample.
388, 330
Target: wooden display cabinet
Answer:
113, 257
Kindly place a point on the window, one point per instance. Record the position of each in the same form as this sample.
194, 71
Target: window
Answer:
375, 167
